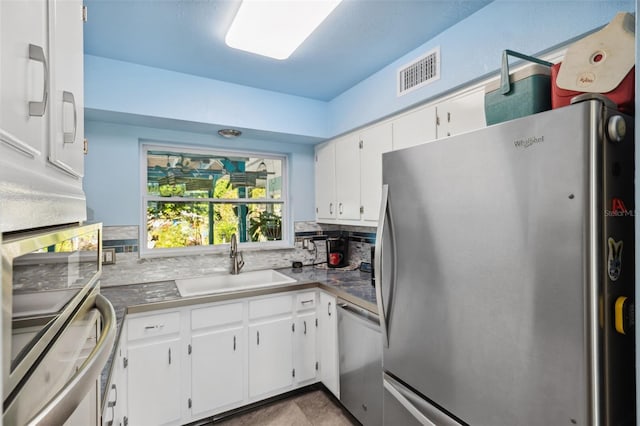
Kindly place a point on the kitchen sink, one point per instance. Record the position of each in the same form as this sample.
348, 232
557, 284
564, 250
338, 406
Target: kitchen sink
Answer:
226, 282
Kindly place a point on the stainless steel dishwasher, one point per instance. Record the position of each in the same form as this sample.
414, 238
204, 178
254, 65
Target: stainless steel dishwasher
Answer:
360, 346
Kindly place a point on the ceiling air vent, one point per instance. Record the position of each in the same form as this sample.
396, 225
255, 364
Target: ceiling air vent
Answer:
420, 72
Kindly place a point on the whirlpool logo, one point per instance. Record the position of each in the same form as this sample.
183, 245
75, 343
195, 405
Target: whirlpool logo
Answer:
526, 143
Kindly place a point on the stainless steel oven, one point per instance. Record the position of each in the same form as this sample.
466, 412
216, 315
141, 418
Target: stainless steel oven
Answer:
57, 330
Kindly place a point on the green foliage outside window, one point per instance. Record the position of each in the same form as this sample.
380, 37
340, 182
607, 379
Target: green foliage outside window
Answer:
190, 206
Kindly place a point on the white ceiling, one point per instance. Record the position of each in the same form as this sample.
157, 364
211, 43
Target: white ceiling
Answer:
359, 38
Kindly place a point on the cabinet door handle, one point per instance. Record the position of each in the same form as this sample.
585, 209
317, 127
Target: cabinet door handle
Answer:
330, 208
70, 137
234, 343
329, 309
169, 356
340, 208
37, 109
258, 337
305, 326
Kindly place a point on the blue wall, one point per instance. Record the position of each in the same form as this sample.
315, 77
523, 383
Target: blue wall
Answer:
135, 89
112, 168
472, 49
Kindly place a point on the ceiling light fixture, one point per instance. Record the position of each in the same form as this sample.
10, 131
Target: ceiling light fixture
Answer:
276, 28
229, 133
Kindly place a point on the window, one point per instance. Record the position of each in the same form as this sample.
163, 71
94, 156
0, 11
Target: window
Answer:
199, 198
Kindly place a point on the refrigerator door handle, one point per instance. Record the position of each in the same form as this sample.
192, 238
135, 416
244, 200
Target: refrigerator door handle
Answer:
420, 409
384, 217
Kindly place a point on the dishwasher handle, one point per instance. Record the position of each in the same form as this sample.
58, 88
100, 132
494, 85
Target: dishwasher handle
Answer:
359, 312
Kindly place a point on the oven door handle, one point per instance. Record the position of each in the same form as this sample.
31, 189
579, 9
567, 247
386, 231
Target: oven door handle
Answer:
64, 403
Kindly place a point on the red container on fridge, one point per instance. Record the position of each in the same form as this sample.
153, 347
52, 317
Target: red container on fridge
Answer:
623, 95
602, 62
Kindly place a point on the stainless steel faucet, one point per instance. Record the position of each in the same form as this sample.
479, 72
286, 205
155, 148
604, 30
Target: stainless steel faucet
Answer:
236, 265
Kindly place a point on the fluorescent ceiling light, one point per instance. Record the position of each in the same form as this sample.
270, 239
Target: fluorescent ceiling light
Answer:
276, 28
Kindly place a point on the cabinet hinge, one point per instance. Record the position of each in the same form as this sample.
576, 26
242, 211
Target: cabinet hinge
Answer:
361, 144
189, 349
316, 365
448, 117
125, 362
437, 120
361, 209
293, 327
293, 373
189, 403
85, 146
125, 421
84, 13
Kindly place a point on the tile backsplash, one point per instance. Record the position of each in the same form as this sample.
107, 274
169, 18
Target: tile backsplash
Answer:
130, 268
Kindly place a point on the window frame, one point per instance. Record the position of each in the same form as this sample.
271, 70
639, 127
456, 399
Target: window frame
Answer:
145, 197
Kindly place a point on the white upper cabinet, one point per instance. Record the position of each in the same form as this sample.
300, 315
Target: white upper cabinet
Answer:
357, 176
24, 104
374, 142
415, 127
461, 114
41, 113
349, 168
66, 144
348, 177
325, 174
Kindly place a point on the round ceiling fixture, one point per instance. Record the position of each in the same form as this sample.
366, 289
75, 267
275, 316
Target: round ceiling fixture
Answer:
229, 133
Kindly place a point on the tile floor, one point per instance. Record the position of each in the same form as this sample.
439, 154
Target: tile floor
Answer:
313, 408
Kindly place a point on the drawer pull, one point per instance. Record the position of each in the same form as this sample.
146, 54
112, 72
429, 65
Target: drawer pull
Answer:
304, 302
153, 327
305, 327
258, 337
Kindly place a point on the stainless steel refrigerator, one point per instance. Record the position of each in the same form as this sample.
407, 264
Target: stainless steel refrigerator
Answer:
505, 274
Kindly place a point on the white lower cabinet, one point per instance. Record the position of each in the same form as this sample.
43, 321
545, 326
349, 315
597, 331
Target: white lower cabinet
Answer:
154, 383
217, 358
183, 365
328, 346
306, 363
270, 357
217, 370
115, 408
154, 369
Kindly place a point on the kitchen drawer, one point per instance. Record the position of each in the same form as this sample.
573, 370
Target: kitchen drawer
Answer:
271, 306
214, 316
153, 325
306, 300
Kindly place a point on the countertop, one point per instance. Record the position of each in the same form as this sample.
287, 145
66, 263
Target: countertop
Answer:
353, 286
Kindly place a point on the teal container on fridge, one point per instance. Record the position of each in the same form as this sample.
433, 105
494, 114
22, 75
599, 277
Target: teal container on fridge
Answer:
525, 92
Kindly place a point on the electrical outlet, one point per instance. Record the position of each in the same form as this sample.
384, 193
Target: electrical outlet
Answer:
108, 256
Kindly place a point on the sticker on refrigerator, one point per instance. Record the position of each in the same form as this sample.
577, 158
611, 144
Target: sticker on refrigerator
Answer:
618, 207
614, 259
